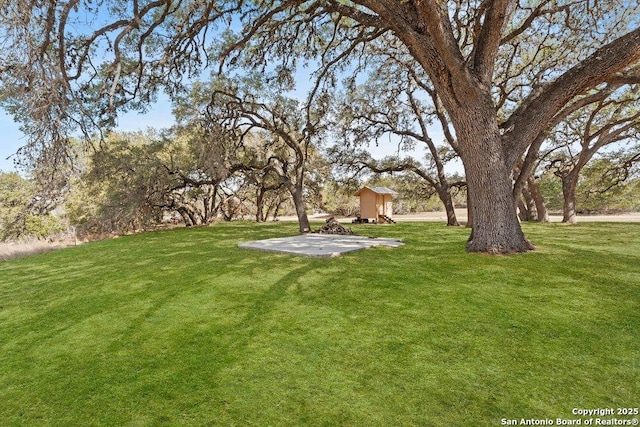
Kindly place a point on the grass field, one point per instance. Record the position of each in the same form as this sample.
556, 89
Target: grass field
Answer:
183, 328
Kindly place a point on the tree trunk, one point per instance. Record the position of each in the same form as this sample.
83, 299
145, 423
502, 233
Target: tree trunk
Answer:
527, 206
260, 217
536, 194
445, 196
496, 229
442, 187
189, 220
209, 205
276, 208
301, 211
523, 211
469, 223
569, 183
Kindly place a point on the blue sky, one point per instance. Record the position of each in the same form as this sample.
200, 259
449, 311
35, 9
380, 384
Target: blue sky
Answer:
12, 138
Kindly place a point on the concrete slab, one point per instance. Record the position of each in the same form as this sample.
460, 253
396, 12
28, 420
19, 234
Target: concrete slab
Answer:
319, 245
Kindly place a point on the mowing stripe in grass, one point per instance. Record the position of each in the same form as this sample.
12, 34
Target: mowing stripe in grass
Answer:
183, 328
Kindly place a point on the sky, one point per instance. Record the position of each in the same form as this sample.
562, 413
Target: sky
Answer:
158, 117
12, 138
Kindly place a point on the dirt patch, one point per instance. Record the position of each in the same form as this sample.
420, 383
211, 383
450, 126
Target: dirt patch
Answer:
19, 249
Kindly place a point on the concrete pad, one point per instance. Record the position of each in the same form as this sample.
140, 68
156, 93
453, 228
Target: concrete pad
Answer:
319, 245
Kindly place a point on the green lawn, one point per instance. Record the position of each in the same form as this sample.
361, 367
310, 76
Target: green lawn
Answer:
183, 328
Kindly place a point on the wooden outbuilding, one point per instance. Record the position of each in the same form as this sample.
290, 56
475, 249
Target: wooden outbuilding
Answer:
376, 204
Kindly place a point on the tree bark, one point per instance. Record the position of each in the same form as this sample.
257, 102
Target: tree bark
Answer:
445, 196
496, 229
536, 194
525, 213
469, 223
301, 208
569, 184
189, 220
531, 205
260, 217
276, 209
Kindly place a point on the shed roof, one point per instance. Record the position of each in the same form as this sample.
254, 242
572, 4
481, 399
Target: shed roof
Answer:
377, 190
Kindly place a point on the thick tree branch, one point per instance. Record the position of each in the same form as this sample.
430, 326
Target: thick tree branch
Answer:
488, 42
425, 29
533, 116
532, 157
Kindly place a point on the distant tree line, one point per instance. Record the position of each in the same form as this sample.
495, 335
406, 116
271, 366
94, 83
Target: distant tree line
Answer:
140, 180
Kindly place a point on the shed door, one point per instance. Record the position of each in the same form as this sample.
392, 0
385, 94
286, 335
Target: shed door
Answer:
388, 207
380, 204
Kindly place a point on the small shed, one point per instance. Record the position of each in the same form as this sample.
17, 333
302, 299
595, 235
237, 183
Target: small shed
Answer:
376, 203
